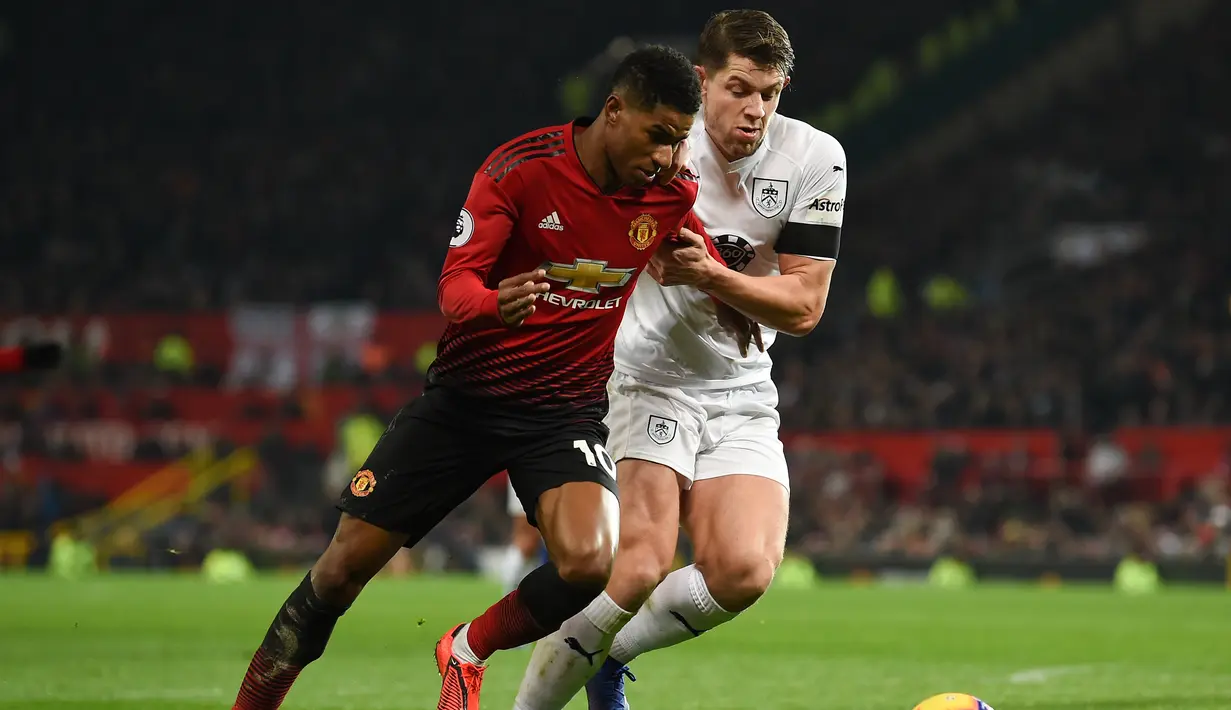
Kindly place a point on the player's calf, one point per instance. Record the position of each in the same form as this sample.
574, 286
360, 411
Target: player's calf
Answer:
565, 659
580, 524
302, 627
649, 524
296, 637
738, 527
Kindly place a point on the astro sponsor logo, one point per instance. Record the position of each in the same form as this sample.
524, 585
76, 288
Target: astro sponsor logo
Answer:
824, 210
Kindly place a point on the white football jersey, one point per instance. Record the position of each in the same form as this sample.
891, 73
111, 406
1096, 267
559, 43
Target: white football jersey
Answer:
787, 198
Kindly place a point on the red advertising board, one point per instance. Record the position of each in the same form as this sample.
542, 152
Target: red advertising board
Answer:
132, 337
201, 416
1186, 454
103, 479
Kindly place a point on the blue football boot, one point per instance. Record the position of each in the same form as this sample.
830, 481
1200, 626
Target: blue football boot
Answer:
605, 690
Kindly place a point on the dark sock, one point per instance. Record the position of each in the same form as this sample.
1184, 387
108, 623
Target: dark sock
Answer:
535, 609
296, 638
506, 624
553, 601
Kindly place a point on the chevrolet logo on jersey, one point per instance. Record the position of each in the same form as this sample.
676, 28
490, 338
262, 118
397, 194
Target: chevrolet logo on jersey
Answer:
588, 275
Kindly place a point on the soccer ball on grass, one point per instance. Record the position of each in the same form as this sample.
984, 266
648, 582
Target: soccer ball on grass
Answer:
953, 701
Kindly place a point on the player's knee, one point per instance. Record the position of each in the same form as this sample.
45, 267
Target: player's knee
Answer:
586, 566
641, 571
738, 580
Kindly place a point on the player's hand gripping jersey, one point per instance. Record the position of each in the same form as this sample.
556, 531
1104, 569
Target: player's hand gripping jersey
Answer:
787, 198
533, 206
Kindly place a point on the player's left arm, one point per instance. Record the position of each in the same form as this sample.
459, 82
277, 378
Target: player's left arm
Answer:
790, 303
807, 247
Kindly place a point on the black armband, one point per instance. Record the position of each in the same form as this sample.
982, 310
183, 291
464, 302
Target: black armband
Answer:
805, 239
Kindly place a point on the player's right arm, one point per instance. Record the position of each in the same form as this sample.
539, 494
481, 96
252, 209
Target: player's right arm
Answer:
484, 227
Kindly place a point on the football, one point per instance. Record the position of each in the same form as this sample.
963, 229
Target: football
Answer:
953, 701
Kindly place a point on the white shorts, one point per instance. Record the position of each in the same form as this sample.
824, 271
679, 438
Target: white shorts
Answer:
700, 433
516, 509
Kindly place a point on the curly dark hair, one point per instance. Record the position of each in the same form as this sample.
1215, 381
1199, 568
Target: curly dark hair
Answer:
655, 75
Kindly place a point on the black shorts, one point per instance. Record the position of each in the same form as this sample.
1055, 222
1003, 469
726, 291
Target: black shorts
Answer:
443, 446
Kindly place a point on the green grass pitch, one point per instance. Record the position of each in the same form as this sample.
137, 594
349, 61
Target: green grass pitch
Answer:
146, 642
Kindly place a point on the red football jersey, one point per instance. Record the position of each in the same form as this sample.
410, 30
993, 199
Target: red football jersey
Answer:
532, 205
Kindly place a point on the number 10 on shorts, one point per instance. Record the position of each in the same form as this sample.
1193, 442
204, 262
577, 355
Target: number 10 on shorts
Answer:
597, 456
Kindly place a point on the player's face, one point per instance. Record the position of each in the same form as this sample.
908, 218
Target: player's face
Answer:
643, 141
739, 101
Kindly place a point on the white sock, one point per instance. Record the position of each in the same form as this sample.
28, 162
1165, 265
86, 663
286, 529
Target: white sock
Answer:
680, 608
564, 661
461, 648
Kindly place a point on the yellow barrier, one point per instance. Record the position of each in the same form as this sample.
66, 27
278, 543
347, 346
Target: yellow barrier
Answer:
117, 527
15, 548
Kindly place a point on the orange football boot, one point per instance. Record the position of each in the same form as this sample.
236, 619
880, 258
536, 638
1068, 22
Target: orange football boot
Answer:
460, 681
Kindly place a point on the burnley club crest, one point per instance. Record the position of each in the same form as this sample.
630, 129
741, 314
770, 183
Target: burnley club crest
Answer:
769, 196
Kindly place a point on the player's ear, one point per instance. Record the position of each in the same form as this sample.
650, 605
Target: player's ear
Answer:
702, 75
612, 107
785, 83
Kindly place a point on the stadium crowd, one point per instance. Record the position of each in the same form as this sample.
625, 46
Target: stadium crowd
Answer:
176, 157
250, 164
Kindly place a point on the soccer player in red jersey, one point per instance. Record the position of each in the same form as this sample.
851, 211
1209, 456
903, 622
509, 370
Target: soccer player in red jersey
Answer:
557, 227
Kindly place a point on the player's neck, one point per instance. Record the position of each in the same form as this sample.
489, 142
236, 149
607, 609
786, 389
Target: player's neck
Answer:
588, 142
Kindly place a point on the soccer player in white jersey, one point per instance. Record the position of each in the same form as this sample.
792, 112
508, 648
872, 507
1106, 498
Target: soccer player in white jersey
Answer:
694, 424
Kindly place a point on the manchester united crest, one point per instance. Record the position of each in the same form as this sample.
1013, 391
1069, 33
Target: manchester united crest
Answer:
642, 231
362, 484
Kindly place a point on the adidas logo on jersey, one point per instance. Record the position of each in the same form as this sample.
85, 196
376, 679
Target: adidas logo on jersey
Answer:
552, 222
